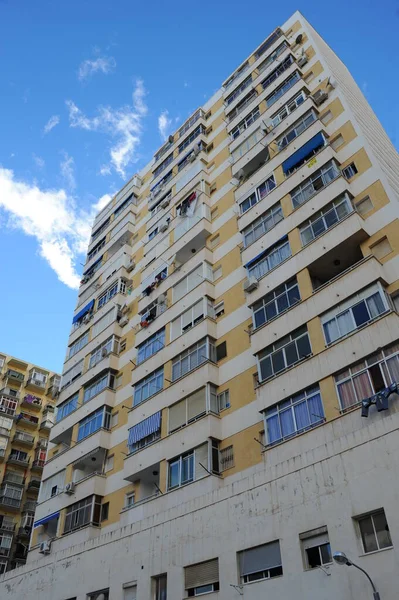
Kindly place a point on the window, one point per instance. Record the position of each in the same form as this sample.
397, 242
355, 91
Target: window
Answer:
268, 43
202, 578
96, 249
129, 501
129, 592
104, 511
181, 470
337, 142
276, 302
8, 405
151, 346
288, 108
217, 273
381, 249
100, 595
11, 495
106, 380
215, 241
245, 123
287, 62
80, 343
262, 224
188, 283
226, 458
191, 317
295, 415
107, 347
72, 374
350, 171
261, 562
65, 409
5, 543
160, 587
367, 377
395, 300
163, 165
100, 419
18, 455
296, 130
354, 313
261, 192
114, 419
243, 86
374, 531
326, 118
364, 205
314, 184
241, 105
287, 85
129, 200
218, 309
197, 131
104, 322
221, 351
223, 400
85, 512
6, 423
190, 122
144, 433
316, 548
118, 286
190, 409
122, 346
324, 219
148, 386
109, 463
192, 358
270, 59
283, 354
269, 259
210, 147
102, 228
152, 233
214, 213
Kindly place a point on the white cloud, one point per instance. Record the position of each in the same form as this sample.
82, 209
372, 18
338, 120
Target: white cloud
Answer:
164, 125
102, 64
123, 124
62, 230
51, 123
67, 167
39, 161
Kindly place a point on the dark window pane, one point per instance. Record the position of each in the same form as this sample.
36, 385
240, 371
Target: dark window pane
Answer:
382, 530
293, 295
259, 318
331, 218
313, 556
368, 535
376, 378
278, 361
266, 368
291, 354
360, 313
282, 303
325, 550
271, 311
304, 348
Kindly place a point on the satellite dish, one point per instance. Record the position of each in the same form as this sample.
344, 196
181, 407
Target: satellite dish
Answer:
299, 39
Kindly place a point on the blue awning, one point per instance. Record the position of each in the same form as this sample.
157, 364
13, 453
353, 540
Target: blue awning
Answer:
145, 428
262, 254
303, 152
82, 312
46, 519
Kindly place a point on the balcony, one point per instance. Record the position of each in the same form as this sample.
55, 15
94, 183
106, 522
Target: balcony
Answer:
7, 524
36, 384
29, 506
12, 504
14, 376
27, 420
191, 233
32, 402
54, 386
38, 465
46, 424
33, 486
14, 478
23, 439
18, 461
148, 487
24, 532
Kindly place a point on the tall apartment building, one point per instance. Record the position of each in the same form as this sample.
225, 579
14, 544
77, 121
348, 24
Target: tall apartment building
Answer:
238, 304
27, 407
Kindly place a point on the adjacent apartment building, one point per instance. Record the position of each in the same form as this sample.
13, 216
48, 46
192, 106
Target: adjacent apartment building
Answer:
239, 302
27, 407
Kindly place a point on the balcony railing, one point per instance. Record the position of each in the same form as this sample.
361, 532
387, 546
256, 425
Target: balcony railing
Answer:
14, 375
32, 402
36, 383
23, 438
11, 477
38, 464
27, 419
10, 502
14, 459
30, 506
34, 485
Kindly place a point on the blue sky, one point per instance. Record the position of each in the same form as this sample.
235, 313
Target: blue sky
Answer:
82, 87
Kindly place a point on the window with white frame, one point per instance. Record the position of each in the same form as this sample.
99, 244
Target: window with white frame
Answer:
129, 499
197, 131
261, 192
163, 165
193, 407
293, 416
188, 467
316, 548
193, 357
354, 313
202, 578
262, 224
364, 206
38, 376
190, 122
3, 445
99, 595
117, 287
67, 407
284, 353
324, 219
311, 186
96, 249
99, 419
152, 233
103, 350
80, 514
269, 259
283, 66
279, 92
104, 322
107, 380
261, 562
52, 486
276, 302
241, 105
245, 123
270, 59
288, 108
350, 171
69, 376
78, 345
223, 400
367, 377
151, 346
8, 405
102, 228
5, 542
374, 531
202, 272
296, 130
191, 317
238, 91
249, 143
6, 423
148, 386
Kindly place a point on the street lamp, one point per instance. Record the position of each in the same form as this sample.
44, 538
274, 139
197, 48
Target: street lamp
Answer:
341, 559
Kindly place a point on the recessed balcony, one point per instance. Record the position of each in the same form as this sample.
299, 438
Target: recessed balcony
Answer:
14, 376
32, 402
23, 439
35, 384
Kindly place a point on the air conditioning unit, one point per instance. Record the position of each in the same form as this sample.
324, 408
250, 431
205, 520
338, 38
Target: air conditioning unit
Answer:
165, 203
319, 97
70, 488
267, 125
130, 265
251, 284
302, 60
104, 352
164, 227
45, 547
124, 321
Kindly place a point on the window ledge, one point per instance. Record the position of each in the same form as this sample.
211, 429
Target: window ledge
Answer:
242, 585
375, 551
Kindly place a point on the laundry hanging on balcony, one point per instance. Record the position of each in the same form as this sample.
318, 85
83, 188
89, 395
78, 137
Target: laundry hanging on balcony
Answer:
187, 207
158, 279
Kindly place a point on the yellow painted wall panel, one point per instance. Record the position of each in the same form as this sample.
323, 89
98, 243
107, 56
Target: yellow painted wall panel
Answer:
247, 452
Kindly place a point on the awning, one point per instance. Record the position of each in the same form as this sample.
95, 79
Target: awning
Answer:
46, 519
262, 254
145, 428
83, 312
303, 152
